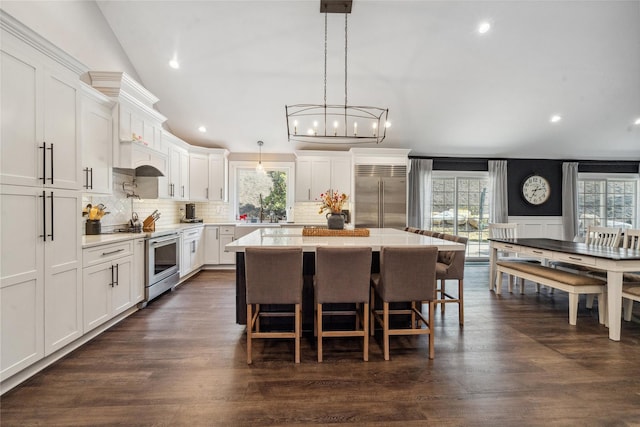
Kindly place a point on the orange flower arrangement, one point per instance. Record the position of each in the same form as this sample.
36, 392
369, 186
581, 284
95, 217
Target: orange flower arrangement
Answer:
332, 201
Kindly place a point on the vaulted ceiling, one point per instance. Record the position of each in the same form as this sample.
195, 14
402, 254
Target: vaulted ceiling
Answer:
450, 90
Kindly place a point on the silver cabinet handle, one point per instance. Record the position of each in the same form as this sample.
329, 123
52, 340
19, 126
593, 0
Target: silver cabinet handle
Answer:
217, 233
86, 178
309, 194
182, 192
112, 252
207, 193
117, 274
112, 274
220, 193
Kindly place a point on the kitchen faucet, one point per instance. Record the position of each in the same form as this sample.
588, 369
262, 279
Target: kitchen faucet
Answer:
261, 209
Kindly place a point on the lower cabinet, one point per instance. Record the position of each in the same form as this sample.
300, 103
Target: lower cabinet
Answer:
216, 238
226, 236
107, 282
137, 286
192, 253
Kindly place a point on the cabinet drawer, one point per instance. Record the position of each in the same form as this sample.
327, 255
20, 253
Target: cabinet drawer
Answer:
575, 259
507, 247
192, 233
539, 253
98, 254
227, 229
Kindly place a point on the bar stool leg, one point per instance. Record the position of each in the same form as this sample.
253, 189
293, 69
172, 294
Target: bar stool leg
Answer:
249, 327
319, 323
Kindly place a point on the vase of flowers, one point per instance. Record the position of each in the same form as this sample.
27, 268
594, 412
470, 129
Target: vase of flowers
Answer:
332, 201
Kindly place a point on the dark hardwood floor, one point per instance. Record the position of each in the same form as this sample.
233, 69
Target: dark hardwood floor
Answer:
181, 361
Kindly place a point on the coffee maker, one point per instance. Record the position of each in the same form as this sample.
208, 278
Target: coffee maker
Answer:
190, 213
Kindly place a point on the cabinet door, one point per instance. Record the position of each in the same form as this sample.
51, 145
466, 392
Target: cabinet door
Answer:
198, 254
20, 129
137, 284
185, 257
21, 279
320, 178
97, 147
303, 180
184, 176
97, 286
212, 245
217, 172
226, 257
341, 175
121, 291
61, 113
62, 269
198, 177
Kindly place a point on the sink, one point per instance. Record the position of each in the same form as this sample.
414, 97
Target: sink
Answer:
258, 224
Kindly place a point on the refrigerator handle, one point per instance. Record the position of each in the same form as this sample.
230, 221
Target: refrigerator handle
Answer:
379, 203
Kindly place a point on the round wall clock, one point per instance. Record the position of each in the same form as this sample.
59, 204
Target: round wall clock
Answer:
536, 189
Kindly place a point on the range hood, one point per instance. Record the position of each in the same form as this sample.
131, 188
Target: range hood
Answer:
140, 160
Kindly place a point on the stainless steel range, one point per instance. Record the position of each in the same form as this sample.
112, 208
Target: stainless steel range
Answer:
162, 263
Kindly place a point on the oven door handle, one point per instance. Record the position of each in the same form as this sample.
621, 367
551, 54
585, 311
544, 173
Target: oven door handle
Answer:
157, 242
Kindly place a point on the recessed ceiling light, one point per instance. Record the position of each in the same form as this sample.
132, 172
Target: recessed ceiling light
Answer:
555, 118
484, 27
174, 64
637, 122
202, 129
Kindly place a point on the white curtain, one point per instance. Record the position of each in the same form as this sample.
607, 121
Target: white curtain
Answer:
570, 200
498, 204
419, 203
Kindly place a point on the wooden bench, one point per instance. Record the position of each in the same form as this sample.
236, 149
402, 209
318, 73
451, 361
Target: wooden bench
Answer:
574, 284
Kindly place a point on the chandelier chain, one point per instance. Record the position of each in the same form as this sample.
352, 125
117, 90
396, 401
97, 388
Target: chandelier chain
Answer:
325, 58
345, 58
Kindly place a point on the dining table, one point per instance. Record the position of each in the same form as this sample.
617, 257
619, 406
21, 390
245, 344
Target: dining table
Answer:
275, 237
614, 261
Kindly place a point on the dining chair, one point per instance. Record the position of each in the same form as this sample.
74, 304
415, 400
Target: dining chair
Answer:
273, 276
407, 275
343, 276
450, 266
631, 283
595, 236
509, 230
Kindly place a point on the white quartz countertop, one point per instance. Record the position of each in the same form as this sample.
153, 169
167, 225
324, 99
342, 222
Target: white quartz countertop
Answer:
378, 237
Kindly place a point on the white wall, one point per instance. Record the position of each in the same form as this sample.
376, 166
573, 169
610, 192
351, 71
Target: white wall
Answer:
78, 28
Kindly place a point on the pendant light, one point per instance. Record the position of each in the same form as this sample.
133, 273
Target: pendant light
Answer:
259, 167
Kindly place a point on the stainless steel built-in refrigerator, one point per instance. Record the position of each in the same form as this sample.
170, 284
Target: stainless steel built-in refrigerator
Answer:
381, 196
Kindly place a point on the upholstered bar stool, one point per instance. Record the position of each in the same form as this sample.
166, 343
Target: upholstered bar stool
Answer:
273, 276
450, 266
407, 274
343, 276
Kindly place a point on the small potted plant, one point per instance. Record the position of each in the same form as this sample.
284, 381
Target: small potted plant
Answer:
333, 201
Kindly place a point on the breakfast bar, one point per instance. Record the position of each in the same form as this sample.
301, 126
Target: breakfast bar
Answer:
293, 237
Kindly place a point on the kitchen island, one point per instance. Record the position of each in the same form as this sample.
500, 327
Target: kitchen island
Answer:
292, 237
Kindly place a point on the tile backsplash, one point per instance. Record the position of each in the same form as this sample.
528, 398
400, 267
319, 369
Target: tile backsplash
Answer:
121, 205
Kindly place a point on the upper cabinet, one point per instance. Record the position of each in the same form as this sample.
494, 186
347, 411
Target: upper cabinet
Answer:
319, 171
40, 111
97, 141
138, 139
207, 174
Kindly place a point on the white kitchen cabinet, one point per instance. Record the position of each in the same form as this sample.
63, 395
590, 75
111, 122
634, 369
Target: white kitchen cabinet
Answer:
40, 282
138, 281
107, 281
192, 254
198, 177
39, 121
226, 236
175, 184
313, 177
218, 169
216, 237
97, 141
212, 245
341, 174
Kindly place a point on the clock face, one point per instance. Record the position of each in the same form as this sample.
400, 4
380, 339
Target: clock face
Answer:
536, 190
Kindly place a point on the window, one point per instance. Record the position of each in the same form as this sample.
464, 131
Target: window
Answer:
260, 195
607, 201
460, 205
